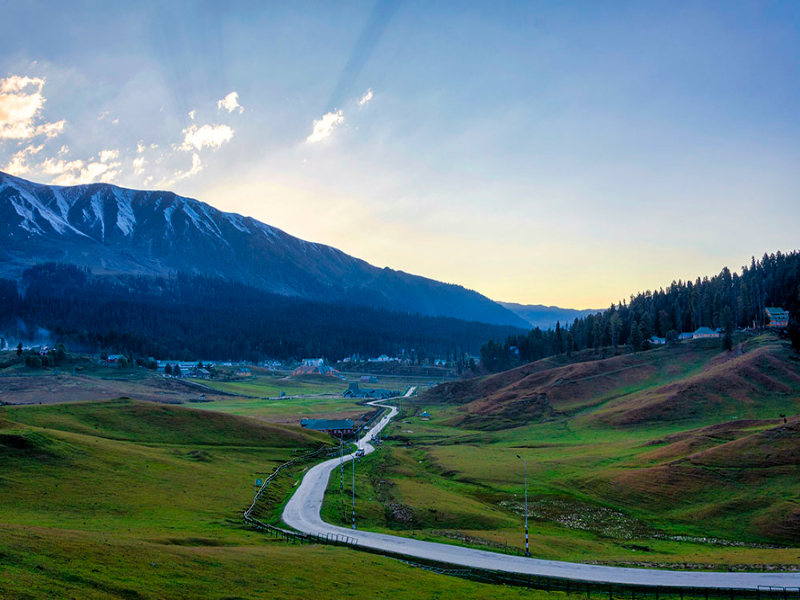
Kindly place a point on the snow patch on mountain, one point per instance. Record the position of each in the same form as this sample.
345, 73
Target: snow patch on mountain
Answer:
97, 209
126, 221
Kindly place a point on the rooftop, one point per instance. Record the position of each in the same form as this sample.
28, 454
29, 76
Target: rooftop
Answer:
326, 424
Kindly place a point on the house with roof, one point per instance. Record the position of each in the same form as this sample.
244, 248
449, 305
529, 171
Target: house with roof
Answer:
201, 374
354, 391
686, 335
705, 332
335, 427
317, 369
776, 317
658, 341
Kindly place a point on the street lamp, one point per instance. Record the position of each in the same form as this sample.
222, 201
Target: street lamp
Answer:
524, 462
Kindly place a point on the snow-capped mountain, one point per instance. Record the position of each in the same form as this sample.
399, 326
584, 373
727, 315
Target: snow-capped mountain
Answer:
115, 230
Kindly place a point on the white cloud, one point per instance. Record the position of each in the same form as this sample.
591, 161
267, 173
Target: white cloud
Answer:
141, 147
366, 97
115, 121
64, 150
77, 172
211, 136
197, 166
21, 103
192, 113
18, 165
323, 128
138, 165
108, 155
231, 103
57, 167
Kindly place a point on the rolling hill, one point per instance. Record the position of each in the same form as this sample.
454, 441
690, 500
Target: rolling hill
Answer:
688, 382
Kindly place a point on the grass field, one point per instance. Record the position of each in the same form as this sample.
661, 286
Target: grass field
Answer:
126, 499
605, 487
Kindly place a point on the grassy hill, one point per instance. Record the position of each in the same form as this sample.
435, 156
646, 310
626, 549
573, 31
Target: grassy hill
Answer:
675, 456
689, 382
126, 499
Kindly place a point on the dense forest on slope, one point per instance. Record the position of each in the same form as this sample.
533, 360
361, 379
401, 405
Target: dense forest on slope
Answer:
193, 317
728, 301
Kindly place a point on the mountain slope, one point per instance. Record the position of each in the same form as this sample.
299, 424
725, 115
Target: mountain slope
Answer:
546, 317
116, 230
692, 382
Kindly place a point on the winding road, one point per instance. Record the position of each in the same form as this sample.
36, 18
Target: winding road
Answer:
302, 512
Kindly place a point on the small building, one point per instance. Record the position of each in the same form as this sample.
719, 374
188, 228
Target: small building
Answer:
313, 362
368, 379
425, 415
335, 427
658, 341
244, 372
686, 336
705, 332
202, 374
776, 317
309, 369
355, 391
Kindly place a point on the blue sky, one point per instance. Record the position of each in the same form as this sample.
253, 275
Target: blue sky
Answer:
556, 153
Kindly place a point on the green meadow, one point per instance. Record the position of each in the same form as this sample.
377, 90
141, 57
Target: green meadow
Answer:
712, 486
127, 499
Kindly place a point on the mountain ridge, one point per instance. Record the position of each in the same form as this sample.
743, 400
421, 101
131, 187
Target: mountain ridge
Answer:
115, 230
546, 317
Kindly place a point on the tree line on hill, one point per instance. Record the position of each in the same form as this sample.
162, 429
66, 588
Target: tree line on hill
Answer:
726, 301
190, 317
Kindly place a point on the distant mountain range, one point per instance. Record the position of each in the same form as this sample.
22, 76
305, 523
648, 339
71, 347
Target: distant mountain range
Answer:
115, 230
546, 317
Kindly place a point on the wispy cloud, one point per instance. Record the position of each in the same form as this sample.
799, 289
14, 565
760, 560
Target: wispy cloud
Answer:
141, 147
230, 103
197, 166
192, 113
207, 136
366, 97
108, 155
18, 165
138, 165
323, 128
77, 172
21, 102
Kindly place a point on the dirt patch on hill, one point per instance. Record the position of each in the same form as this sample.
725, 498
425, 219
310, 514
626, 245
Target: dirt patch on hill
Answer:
53, 389
760, 374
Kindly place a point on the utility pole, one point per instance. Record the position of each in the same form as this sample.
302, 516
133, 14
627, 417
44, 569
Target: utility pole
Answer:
341, 476
524, 462
354, 491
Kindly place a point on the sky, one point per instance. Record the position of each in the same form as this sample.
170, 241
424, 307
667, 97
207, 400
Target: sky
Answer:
559, 153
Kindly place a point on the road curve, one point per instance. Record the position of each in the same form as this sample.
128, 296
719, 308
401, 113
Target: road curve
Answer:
302, 512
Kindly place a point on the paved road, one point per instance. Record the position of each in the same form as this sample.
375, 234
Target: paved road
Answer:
303, 513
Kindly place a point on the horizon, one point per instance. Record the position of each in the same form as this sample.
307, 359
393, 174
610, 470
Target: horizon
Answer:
556, 155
